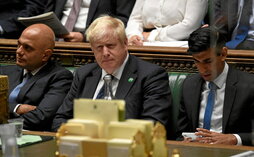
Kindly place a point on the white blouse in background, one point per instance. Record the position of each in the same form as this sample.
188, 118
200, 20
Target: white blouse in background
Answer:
172, 19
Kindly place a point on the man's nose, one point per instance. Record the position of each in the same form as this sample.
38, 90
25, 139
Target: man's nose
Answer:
19, 50
105, 51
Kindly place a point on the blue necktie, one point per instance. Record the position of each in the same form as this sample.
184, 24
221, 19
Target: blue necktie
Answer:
209, 106
101, 92
244, 25
14, 94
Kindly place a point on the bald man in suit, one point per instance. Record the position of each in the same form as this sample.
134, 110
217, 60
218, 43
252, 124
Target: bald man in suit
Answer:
37, 85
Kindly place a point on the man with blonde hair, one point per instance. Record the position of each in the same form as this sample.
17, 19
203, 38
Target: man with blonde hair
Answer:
144, 86
37, 84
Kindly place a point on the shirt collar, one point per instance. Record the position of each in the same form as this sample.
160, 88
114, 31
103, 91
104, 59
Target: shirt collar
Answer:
221, 79
34, 71
118, 72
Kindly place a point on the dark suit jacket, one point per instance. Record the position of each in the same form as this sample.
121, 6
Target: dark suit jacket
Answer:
45, 90
238, 111
225, 16
147, 97
11, 9
118, 8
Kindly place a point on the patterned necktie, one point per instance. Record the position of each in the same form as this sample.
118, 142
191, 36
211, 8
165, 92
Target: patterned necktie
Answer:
14, 94
244, 25
73, 16
107, 84
209, 106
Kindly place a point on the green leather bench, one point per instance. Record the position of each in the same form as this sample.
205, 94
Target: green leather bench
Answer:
175, 82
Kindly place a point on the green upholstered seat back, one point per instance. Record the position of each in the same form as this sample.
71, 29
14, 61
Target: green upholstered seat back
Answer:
175, 82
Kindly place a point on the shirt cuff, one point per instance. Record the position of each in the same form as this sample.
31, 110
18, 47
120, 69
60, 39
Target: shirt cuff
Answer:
153, 35
239, 140
1, 31
15, 109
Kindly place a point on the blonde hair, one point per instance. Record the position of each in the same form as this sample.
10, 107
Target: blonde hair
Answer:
101, 26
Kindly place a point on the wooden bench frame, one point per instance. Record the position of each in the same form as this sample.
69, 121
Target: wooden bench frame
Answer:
171, 58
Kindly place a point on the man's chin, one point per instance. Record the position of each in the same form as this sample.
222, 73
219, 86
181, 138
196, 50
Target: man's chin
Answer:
20, 64
207, 77
109, 69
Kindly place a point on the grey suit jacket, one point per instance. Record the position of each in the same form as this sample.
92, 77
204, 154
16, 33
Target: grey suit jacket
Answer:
238, 110
45, 90
118, 8
147, 97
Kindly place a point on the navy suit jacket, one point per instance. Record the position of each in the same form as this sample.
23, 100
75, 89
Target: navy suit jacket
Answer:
45, 90
118, 8
147, 97
11, 9
238, 109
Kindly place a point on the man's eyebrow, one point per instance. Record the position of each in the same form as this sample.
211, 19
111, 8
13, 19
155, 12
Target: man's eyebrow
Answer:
205, 60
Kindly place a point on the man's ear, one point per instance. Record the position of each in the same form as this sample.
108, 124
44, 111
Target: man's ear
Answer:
224, 53
125, 42
47, 54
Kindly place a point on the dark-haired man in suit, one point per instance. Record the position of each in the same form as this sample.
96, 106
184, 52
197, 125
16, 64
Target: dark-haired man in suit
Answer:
218, 102
89, 11
37, 85
143, 86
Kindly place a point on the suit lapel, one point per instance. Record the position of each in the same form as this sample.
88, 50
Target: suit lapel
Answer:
128, 78
17, 79
42, 73
91, 12
230, 92
196, 101
91, 83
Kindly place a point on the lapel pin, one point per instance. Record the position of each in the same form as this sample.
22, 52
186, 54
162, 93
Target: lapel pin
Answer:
130, 79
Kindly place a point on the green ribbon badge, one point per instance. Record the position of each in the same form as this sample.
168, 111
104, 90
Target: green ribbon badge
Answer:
130, 79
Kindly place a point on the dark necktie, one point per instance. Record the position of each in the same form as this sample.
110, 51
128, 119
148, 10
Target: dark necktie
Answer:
14, 94
244, 25
106, 89
73, 16
209, 106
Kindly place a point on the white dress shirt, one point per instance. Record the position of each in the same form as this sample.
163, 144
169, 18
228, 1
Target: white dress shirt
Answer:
216, 119
117, 76
83, 13
173, 19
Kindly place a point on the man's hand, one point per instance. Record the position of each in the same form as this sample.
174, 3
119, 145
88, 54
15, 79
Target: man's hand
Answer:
206, 136
24, 108
135, 40
73, 37
146, 35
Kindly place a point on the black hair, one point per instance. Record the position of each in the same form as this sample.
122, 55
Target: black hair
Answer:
205, 38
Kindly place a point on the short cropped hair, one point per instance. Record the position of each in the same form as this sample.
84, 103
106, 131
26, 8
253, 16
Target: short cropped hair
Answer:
101, 27
205, 38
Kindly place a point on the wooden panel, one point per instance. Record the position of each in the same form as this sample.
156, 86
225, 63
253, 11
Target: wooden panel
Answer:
171, 58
